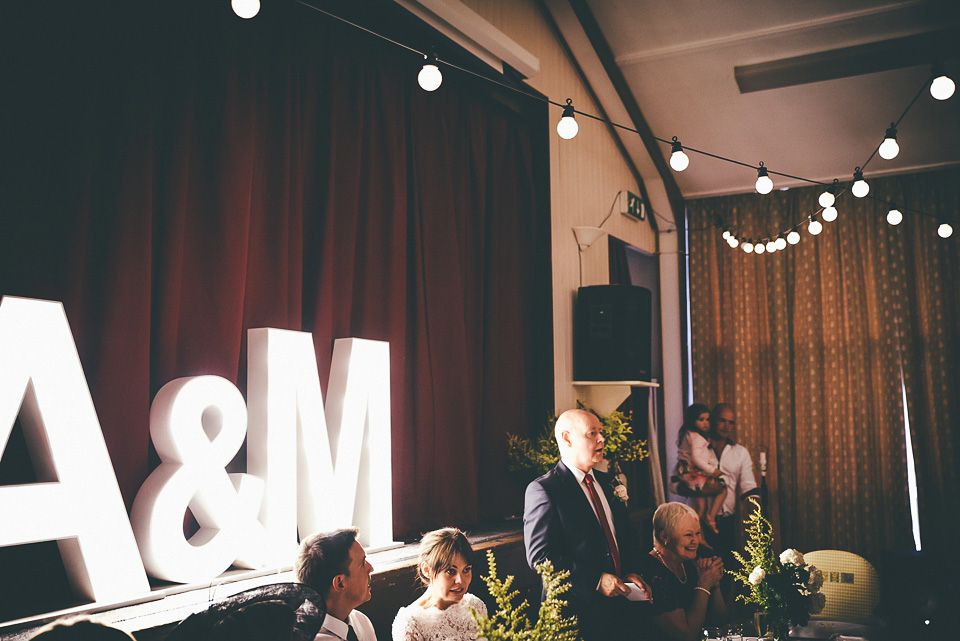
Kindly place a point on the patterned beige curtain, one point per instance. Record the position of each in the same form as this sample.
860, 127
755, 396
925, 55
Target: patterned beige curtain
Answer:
807, 343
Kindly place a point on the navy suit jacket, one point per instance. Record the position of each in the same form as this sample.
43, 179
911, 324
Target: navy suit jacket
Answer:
559, 524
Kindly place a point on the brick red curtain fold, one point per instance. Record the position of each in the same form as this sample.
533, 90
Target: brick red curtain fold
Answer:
176, 176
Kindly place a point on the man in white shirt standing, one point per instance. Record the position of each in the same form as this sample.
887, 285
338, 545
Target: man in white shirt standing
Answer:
335, 565
736, 466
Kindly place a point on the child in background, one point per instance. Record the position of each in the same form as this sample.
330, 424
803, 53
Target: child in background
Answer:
698, 470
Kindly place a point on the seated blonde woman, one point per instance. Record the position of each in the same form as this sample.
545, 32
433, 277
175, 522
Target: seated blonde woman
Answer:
685, 594
442, 613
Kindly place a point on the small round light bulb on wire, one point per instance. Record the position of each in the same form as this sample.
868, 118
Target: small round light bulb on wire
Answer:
733, 241
747, 246
815, 226
894, 217
781, 243
860, 187
889, 148
567, 128
827, 198
245, 8
945, 230
942, 86
726, 234
829, 214
764, 184
771, 246
793, 237
678, 160
759, 248
430, 77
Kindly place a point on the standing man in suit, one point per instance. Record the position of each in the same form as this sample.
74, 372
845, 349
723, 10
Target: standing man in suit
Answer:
572, 517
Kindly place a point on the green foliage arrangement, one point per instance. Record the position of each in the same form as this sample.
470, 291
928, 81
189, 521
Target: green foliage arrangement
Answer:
531, 457
786, 588
510, 623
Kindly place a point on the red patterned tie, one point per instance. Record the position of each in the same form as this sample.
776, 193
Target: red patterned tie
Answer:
602, 516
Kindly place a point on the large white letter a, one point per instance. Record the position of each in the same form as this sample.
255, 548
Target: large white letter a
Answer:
77, 503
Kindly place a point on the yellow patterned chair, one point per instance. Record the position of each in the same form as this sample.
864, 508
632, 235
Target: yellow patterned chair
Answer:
850, 583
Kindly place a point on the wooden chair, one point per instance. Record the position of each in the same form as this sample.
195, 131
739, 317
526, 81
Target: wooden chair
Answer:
850, 584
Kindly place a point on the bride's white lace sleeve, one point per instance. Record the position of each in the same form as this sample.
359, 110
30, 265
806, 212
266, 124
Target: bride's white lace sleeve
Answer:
405, 627
475, 603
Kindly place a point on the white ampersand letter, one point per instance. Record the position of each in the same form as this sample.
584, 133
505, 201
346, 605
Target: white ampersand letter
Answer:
197, 425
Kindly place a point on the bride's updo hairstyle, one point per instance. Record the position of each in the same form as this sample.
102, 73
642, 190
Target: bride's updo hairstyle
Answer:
438, 549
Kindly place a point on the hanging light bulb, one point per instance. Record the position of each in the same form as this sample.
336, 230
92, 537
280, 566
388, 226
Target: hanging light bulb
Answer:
771, 245
829, 214
733, 241
894, 217
889, 148
815, 226
747, 246
945, 230
759, 248
567, 128
860, 187
430, 77
764, 184
827, 198
678, 160
942, 86
781, 242
245, 8
726, 234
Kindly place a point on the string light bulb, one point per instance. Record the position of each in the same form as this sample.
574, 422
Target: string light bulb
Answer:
764, 184
771, 246
942, 86
733, 241
678, 160
245, 8
781, 242
894, 217
793, 237
747, 246
726, 234
759, 248
827, 198
860, 187
815, 226
945, 230
430, 77
889, 148
829, 214
567, 128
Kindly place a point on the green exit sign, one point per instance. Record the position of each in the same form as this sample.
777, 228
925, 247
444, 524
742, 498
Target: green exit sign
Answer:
635, 207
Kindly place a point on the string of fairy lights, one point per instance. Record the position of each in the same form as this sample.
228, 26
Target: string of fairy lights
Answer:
941, 87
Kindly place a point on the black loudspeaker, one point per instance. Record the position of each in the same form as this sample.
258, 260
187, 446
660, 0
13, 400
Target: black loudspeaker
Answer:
611, 333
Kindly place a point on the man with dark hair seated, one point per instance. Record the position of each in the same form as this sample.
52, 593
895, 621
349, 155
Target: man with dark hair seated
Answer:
335, 565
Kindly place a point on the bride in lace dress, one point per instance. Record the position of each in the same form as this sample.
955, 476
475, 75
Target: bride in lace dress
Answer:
442, 613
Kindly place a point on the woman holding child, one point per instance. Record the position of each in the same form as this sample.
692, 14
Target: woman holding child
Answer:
442, 613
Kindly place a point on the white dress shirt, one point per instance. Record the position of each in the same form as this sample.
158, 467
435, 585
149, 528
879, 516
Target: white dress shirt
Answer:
579, 475
333, 629
736, 466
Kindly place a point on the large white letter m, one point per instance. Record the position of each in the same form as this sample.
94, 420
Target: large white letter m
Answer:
342, 475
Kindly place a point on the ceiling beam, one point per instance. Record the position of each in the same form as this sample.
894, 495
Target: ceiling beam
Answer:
884, 55
600, 46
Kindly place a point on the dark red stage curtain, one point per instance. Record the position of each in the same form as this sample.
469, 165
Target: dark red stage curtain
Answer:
176, 176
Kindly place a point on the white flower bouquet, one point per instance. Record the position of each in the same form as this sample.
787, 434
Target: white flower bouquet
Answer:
786, 588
